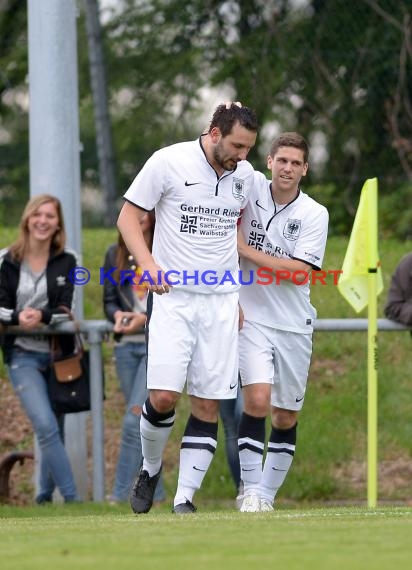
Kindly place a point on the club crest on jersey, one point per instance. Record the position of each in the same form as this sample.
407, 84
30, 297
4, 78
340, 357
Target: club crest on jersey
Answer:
238, 190
291, 230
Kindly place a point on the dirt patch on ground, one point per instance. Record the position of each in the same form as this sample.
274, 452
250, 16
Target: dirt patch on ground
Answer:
394, 477
327, 367
15, 435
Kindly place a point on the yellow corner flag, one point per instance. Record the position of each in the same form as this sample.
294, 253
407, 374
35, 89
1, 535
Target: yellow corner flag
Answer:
362, 257
360, 283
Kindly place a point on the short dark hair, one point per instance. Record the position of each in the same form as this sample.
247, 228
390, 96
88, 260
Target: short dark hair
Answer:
290, 139
224, 119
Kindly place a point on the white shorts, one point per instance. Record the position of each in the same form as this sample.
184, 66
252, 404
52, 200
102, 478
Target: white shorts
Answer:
280, 358
193, 337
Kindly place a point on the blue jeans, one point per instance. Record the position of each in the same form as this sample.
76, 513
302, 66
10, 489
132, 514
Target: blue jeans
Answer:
131, 371
26, 372
231, 412
46, 481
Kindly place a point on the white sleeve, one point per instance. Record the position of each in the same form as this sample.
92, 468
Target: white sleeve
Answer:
311, 243
147, 188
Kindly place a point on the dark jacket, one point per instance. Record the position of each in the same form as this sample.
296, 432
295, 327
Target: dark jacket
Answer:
399, 303
59, 291
116, 296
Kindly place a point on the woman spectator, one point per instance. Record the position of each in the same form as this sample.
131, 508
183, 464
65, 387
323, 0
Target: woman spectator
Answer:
34, 286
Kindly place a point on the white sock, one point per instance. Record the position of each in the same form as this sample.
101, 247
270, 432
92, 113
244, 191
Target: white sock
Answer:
251, 444
250, 456
196, 453
155, 429
279, 457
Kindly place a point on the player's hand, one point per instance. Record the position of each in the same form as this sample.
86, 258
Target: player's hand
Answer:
230, 103
155, 278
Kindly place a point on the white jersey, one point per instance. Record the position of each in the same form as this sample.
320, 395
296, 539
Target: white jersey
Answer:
196, 215
297, 231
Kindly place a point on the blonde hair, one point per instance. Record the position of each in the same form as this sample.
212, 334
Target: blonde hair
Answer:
19, 247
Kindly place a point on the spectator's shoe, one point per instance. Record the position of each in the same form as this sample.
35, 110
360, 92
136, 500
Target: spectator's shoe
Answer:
266, 506
72, 500
184, 508
250, 504
142, 493
43, 498
112, 500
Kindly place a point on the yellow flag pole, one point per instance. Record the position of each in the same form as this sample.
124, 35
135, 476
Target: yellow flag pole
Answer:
372, 345
372, 393
360, 284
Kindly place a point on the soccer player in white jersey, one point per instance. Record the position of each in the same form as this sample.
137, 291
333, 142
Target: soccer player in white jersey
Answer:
198, 190
284, 231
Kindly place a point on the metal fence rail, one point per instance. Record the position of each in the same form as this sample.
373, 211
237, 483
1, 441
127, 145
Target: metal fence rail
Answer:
356, 325
96, 331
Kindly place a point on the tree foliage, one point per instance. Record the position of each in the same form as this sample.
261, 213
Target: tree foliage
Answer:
14, 152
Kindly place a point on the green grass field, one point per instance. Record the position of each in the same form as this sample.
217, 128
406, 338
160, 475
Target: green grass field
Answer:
89, 537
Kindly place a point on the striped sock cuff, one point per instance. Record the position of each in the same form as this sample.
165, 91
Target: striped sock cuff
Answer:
156, 418
252, 427
200, 435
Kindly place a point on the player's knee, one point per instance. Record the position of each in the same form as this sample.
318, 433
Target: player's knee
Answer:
257, 402
205, 410
284, 419
163, 400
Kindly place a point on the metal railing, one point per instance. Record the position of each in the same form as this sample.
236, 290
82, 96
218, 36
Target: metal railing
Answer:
95, 332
